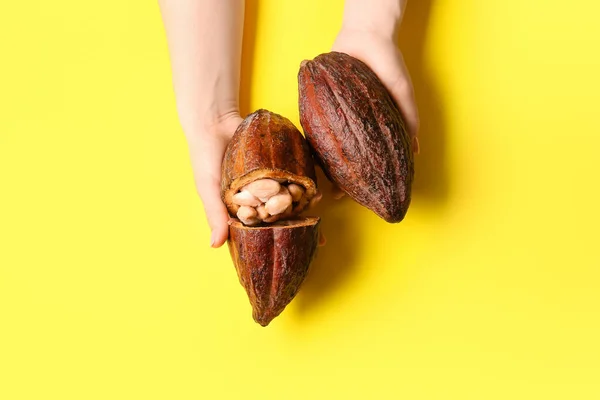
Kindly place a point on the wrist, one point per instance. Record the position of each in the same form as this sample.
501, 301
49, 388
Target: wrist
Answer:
219, 122
380, 17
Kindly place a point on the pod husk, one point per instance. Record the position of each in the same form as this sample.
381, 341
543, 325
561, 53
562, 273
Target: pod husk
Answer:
272, 262
267, 145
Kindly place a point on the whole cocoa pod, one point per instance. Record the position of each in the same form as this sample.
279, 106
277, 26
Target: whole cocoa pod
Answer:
267, 146
357, 132
272, 262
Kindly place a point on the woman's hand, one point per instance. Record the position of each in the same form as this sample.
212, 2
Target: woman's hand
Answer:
206, 153
205, 44
368, 34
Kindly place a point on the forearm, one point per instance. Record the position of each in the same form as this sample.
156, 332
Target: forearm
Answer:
205, 41
380, 16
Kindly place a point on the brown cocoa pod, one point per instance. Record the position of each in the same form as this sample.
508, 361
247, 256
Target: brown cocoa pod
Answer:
267, 145
272, 262
357, 133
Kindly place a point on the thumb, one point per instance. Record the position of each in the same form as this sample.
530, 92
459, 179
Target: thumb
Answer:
216, 214
207, 176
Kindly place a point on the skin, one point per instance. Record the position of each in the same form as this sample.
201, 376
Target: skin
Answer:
368, 33
205, 44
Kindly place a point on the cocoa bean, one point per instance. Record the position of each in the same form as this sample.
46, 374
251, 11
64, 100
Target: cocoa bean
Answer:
248, 216
250, 221
245, 198
278, 203
262, 212
246, 212
296, 191
273, 218
282, 190
263, 188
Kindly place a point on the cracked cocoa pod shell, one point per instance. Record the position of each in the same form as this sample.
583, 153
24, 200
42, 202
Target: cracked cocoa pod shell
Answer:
272, 262
267, 145
357, 132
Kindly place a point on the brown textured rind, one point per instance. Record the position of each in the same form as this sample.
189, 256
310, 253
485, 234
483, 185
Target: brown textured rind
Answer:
267, 145
357, 132
272, 262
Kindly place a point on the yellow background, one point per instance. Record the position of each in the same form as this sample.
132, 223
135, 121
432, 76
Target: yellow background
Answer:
490, 289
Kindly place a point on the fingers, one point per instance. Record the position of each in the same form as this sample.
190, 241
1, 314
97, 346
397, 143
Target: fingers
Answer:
416, 146
402, 92
322, 239
315, 200
385, 59
337, 193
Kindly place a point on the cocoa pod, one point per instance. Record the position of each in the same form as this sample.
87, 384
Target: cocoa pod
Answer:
272, 262
267, 145
357, 132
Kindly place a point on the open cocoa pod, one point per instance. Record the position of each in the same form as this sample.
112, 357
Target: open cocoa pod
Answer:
268, 170
272, 262
268, 180
357, 133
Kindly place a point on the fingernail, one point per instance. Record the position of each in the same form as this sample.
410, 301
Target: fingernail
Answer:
416, 146
212, 239
322, 239
315, 200
337, 193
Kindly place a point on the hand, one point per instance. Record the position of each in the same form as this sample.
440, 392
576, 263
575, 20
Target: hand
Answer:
206, 152
205, 44
381, 54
